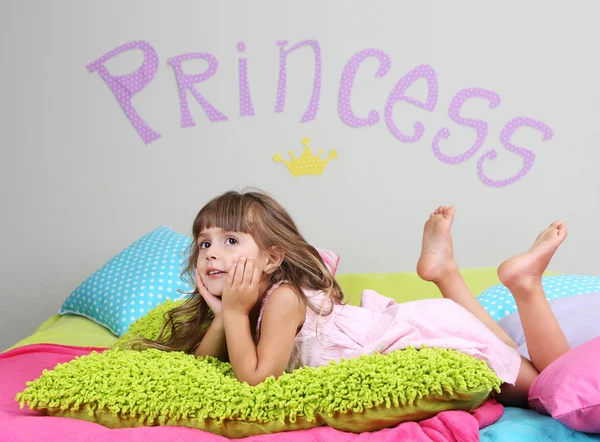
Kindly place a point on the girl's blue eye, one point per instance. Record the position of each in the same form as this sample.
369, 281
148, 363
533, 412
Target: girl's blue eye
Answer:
231, 241
204, 245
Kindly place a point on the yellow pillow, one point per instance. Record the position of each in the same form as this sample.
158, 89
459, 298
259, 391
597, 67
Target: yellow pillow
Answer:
407, 286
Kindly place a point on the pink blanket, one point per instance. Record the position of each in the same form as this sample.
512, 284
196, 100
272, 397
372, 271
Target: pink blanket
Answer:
27, 363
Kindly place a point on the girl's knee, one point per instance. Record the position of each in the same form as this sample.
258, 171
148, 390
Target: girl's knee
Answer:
517, 395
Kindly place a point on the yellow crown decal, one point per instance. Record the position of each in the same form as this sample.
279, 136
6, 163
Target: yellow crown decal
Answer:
307, 164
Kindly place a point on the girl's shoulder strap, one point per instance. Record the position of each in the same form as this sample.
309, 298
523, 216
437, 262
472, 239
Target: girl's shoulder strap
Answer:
273, 288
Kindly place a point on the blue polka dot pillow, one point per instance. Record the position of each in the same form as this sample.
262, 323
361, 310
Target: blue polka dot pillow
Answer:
139, 278
499, 303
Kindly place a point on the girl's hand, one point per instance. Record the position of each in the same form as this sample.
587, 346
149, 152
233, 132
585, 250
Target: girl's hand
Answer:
241, 290
214, 303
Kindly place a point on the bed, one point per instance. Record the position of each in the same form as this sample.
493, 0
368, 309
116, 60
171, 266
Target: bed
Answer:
63, 337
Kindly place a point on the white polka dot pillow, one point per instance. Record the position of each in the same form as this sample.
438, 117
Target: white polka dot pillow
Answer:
499, 302
139, 278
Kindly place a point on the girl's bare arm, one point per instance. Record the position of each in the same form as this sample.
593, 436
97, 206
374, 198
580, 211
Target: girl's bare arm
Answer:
214, 343
283, 315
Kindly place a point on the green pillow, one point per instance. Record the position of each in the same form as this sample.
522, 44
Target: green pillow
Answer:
147, 326
125, 388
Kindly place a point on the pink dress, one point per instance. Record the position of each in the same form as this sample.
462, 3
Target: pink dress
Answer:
382, 325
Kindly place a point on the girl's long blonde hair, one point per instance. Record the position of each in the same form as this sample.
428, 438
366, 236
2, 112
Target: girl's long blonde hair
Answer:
258, 214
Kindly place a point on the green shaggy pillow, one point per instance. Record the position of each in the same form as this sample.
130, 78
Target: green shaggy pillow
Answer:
147, 326
126, 388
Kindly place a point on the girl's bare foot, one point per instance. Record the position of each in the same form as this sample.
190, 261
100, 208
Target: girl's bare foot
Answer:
525, 271
437, 255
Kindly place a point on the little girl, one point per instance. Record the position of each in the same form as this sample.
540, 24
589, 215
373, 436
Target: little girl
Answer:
266, 302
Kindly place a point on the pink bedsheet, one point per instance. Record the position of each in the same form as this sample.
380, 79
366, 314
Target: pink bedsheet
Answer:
27, 363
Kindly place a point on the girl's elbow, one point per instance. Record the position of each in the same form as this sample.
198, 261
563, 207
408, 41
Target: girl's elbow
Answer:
252, 379
255, 382
223, 357
258, 378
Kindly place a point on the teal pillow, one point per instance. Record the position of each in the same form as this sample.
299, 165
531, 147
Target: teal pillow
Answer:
139, 278
499, 302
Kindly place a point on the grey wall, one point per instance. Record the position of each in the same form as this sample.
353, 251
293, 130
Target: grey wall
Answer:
79, 184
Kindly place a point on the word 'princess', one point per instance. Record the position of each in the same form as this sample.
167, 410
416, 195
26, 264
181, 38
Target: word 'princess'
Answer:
124, 87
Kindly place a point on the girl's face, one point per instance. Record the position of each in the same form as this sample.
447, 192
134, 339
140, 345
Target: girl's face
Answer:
219, 250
